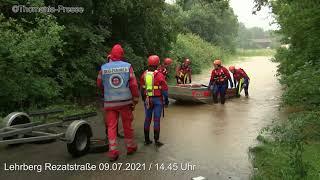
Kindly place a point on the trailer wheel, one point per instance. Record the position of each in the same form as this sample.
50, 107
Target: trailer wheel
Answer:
15, 118
81, 142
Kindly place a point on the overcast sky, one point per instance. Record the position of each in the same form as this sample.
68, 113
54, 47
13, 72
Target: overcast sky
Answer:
243, 9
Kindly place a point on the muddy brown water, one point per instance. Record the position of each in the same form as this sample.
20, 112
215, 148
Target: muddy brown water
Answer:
214, 139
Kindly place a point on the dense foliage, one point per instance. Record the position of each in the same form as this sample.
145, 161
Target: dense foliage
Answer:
214, 21
201, 52
294, 147
27, 60
45, 58
299, 65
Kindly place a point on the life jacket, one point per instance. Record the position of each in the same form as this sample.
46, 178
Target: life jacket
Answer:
185, 69
152, 86
115, 78
163, 70
219, 76
239, 74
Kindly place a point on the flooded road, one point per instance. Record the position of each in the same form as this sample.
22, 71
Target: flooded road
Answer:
214, 139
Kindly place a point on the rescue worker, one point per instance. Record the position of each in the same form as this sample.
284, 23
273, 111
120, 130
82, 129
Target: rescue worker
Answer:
164, 67
219, 81
241, 80
183, 72
154, 90
118, 134
121, 94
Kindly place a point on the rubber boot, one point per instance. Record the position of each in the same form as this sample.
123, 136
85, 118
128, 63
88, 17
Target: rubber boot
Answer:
113, 155
223, 99
237, 94
156, 139
132, 150
247, 93
215, 99
147, 140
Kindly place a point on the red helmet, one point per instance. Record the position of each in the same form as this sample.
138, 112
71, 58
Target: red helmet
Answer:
168, 61
217, 62
187, 61
153, 60
232, 68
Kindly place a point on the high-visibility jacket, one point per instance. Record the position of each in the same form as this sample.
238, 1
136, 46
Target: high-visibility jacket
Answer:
153, 83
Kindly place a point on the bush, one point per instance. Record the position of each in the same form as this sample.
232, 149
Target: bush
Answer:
26, 58
290, 153
200, 52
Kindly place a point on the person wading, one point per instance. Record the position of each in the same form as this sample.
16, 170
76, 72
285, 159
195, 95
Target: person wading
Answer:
241, 80
154, 90
219, 81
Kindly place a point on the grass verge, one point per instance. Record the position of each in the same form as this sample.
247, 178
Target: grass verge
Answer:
289, 149
255, 52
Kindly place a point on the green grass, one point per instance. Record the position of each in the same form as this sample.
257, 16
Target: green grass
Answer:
255, 52
273, 161
289, 149
69, 109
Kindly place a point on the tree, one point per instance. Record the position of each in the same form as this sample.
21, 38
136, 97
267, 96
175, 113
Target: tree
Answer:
214, 21
26, 57
298, 69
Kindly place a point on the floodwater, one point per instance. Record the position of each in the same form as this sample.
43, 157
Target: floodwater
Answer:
212, 139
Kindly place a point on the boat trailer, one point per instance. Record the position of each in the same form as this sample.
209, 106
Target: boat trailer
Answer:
21, 128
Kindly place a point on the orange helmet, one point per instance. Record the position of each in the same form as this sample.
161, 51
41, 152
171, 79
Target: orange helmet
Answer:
153, 60
168, 61
187, 61
232, 68
217, 62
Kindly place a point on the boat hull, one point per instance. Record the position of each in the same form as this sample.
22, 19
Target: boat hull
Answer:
195, 93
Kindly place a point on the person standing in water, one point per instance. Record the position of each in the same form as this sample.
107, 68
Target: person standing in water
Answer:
219, 81
154, 90
241, 80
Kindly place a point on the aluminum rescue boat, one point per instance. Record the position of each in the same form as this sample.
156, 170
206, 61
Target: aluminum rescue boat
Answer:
197, 93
